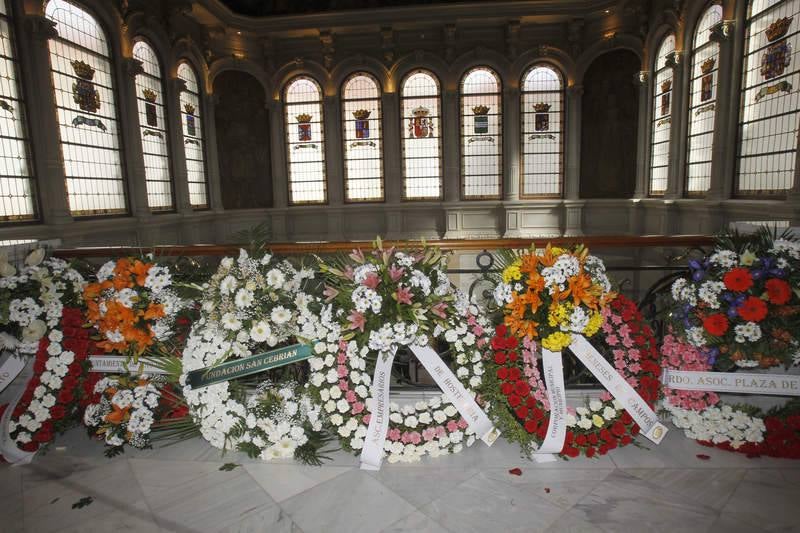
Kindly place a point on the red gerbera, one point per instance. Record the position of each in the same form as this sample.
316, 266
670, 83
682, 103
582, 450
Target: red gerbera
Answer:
716, 324
753, 309
738, 279
778, 291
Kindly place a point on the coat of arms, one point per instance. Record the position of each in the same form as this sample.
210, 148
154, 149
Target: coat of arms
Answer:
151, 116
778, 55
362, 123
84, 92
191, 125
480, 120
420, 125
541, 120
707, 81
304, 127
666, 93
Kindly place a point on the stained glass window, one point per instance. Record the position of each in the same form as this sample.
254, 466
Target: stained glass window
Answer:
362, 136
770, 105
193, 138
151, 98
662, 118
16, 182
542, 130
481, 134
420, 129
83, 80
702, 102
305, 141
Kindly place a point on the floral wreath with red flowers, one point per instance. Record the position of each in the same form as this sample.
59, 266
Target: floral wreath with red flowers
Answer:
60, 387
514, 387
739, 308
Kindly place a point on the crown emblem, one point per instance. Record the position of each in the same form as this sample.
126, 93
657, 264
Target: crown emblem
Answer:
149, 95
708, 65
541, 107
82, 70
480, 109
303, 118
778, 29
666, 85
189, 108
361, 114
420, 111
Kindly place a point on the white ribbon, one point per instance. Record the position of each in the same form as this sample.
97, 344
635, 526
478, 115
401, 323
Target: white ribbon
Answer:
8, 447
372, 453
10, 369
737, 382
115, 364
557, 397
462, 400
619, 388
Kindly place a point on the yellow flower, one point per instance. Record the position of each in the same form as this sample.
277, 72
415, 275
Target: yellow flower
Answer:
512, 273
598, 421
595, 321
559, 313
747, 258
555, 342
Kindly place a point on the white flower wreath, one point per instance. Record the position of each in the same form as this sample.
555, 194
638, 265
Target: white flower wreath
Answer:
250, 306
385, 300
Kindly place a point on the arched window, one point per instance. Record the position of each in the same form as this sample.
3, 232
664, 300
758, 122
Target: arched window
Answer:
420, 129
481, 135
770, 104
362, 136
151, 98
542, 130
702, 102
83, 80
193, 138
16, 183
305, 141
662, 118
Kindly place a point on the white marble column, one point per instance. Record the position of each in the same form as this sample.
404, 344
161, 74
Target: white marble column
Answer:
392, 165
511, 144
334, 165
212, 157
280, 175
678, 128
451, 149
726, 115
177, 150
643, 83
573, 205
42, 119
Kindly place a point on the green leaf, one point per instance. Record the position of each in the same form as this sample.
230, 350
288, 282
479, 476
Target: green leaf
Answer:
227, 467
83, 502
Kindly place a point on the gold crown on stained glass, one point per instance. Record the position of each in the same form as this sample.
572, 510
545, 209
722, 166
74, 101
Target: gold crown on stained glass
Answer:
82, 69
778, 29
149, 95
303, 118
480, 109
666, 85
541, 107
189, 108
708, 65
361, 114
420, 111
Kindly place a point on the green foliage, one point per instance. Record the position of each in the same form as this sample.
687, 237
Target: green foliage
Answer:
228, 467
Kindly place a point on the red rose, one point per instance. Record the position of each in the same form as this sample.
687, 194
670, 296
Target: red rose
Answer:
569, 451
514, 374
522, 388
716, 324
593, 438
514, 400
500, 358
530, 402
753, 309
537, 414
606, 435
635, 429
618, 428
590, 451
738, 280
38, 367
580, 440
512, 356
522, 412
793, 421
29, 446
65, 396
569, 437
501, 330
625, 440
57, 412
506, 388
531, 426
502, 373
612, 443
626, 418
542, 431
603, 449
69, 382
778, 291
43, 436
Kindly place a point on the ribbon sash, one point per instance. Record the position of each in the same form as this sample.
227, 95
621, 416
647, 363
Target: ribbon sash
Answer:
619, 388
736, 382
10, 369
462, 400
8, 447
372, 453
115, 364
557, 397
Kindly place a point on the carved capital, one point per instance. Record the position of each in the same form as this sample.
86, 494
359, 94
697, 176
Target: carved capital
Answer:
575, 90
328, 49
40, 27
640, 78
133, 67
673, 59
179, 85
722, 31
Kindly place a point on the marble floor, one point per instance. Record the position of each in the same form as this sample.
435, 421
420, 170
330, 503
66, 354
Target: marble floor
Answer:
677, 486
